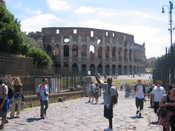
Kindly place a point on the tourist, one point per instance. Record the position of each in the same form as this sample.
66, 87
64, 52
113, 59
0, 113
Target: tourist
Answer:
110, 99
139, 97
157, 92
96, 92
167, 111
43, 94
18, 98
91, 88
4, 103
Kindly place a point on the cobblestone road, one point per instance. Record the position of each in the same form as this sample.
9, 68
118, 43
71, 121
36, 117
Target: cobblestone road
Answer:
77, 115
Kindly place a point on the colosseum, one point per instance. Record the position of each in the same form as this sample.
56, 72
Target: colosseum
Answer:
89, 50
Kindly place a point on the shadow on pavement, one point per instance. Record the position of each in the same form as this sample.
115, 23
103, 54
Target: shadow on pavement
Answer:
136, 117
154, 123
33, 119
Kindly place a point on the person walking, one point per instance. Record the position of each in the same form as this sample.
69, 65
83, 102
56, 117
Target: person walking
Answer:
158, 92
139, 97
167, 110
4, 103
43, 94
17, 98
110, 99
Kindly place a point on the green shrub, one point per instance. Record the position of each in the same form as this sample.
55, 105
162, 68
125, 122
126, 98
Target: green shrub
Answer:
40, 57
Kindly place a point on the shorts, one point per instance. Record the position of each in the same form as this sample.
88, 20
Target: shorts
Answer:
108, 112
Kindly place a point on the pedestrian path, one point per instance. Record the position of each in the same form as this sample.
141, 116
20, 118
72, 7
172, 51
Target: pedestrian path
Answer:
77, 115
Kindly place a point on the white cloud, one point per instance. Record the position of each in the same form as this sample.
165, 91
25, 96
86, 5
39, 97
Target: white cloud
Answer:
35, 23
57, 5
146, 27
85, 10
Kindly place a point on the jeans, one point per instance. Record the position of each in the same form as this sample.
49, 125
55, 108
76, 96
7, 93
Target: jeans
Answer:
44, 106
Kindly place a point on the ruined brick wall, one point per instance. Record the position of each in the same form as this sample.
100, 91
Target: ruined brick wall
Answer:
95, 50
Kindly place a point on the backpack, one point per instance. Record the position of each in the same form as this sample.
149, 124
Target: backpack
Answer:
115, 97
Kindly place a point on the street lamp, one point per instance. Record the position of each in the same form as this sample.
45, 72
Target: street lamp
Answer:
170, 8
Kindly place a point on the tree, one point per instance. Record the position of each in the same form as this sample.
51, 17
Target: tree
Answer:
12, 40
10, 33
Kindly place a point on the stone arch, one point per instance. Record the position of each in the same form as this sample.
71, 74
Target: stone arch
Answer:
75, 68
92, 69
107, 52
114, 52
92, 51
107, 70
100, 52
113, 69
66, 51
75, 51
130, 69
84, 69
119, 69
130, 55
84, 51
100, 69
125, 54
125, 70
120, 54
66, 67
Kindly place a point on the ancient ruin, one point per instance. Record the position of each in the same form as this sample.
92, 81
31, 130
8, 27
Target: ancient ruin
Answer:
92, 50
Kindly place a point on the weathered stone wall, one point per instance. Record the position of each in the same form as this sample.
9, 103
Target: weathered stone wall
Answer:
11, 65
83, 49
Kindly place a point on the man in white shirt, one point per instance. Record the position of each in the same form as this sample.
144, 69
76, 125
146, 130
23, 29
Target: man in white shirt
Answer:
157, 92
110, 99
43, 94
140, 96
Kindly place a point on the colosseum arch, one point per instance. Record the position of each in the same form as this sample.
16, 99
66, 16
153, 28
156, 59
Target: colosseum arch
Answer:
100, 52
107, 70
113, 52
75, 68
119, 72
66, 50
75, 50
114, 70
92, 51
84, 51
84, 69
92, 69
100, 69
107, 52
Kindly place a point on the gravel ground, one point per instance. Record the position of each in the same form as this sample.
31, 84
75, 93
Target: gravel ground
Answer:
78, 115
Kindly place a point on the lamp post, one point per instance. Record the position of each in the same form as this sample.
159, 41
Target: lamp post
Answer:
170, 8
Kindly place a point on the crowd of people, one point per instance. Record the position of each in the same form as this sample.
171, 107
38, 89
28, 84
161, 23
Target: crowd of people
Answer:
12, 98
162, 99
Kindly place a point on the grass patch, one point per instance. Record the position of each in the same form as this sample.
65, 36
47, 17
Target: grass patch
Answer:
129, 82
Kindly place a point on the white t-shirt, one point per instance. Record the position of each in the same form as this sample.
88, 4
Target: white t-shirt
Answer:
108, 93
140, 91
158, 93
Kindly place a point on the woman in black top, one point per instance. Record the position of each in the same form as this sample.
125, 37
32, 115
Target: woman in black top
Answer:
167, 111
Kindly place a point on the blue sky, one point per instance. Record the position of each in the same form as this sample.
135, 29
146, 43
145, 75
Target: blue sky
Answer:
142, 18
